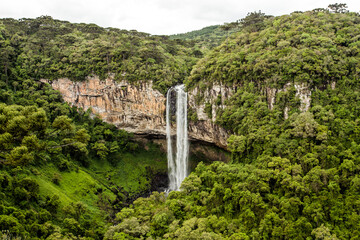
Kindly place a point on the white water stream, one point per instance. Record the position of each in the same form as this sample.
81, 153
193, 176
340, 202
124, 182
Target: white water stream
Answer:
178, 162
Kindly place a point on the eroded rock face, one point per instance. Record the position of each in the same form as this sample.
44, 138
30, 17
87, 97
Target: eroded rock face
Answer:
140, 109
134, 108
270, 96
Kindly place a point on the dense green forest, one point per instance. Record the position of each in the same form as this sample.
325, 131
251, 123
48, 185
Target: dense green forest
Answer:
63, 172
291, 177
51, 49
206, 38
293, 174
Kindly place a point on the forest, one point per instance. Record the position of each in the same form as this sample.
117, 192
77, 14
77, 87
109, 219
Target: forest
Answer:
294, 171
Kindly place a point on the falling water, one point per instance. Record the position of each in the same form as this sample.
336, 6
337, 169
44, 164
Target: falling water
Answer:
178, 166
168, 138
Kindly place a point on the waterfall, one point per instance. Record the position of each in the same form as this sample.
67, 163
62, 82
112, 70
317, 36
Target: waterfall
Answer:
170, 158
177, 166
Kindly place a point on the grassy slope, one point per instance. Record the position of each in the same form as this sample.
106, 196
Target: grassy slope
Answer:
83, 184
130, 170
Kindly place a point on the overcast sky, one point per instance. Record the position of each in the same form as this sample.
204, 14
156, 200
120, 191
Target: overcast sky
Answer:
157, 16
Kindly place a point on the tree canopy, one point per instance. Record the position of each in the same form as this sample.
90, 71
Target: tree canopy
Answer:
48, 48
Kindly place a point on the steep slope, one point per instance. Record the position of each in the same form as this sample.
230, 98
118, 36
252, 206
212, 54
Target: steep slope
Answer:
282, 70
121, 75
63, 171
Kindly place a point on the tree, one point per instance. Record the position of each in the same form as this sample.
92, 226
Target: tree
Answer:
338, 8
101, 150
6, 52
19, 156
63, 124
254, 21
229, 26
304, 125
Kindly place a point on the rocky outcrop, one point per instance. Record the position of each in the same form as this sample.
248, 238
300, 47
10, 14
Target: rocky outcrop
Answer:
270, 96
303, 92
135, 108
138, 108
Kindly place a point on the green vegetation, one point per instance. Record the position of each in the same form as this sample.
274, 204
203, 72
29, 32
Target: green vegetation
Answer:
314, 47
294, 174
51, 49
206, 38
62, 173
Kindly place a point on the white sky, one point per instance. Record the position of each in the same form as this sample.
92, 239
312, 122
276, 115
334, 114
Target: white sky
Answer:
158, 16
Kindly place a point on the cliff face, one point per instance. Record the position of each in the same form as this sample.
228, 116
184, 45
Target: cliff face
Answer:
134, 108
138, 108
303, 92
205, 127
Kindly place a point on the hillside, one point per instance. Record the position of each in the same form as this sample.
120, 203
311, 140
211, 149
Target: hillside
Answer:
295, 143
205, 38
48, 48
63, 173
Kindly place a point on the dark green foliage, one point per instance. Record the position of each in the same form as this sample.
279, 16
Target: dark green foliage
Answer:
294, 174
269, 199
41, 135
51, 49
338, 7
208, 37
208, 109
253, 22
312, 47
294, 171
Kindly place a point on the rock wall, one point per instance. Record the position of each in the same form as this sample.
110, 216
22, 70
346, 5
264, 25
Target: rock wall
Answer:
205, 127
304, 93
134, 108
138, 108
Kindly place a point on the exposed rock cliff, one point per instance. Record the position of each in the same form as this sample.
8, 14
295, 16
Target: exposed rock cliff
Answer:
140, 109
303, 92
135, 108
205, 127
